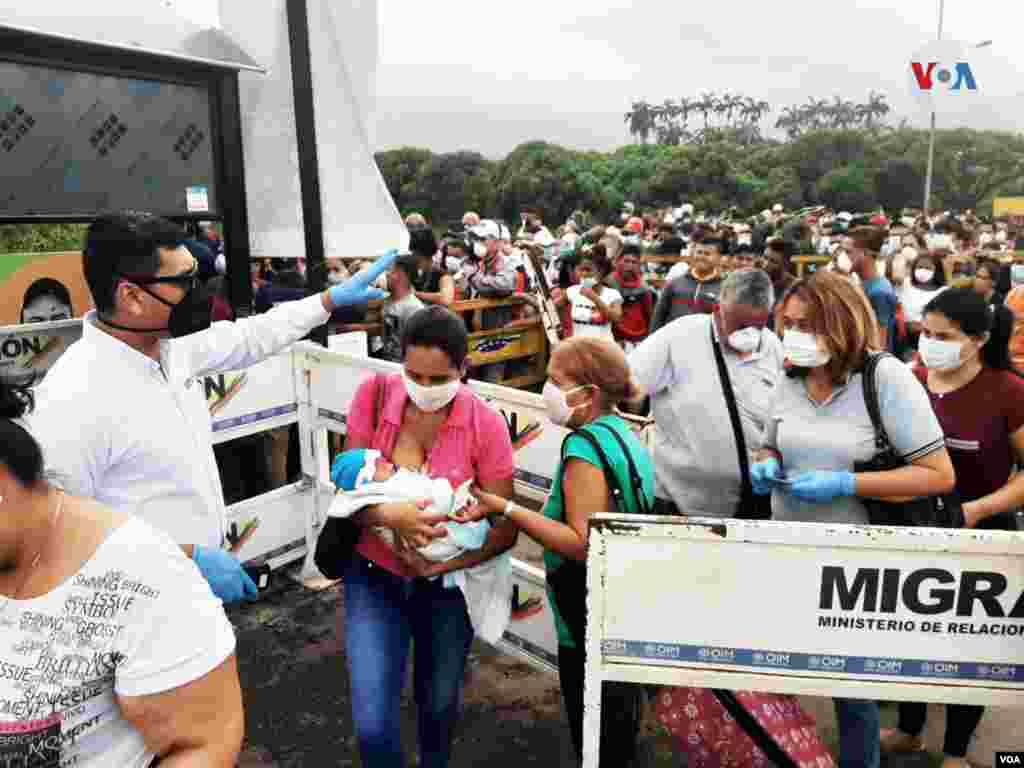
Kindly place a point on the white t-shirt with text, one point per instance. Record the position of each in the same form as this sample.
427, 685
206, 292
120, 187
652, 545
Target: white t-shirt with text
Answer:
137, 619
586, 319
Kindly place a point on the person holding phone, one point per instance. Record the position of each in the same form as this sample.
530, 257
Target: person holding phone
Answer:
819, 429
595, 306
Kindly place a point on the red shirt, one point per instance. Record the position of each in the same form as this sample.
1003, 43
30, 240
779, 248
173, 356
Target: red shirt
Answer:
637, 307
978, 421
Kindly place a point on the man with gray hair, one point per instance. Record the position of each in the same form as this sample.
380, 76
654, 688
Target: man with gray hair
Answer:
696, 459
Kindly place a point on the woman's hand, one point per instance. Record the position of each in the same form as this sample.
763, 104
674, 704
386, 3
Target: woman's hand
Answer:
487, 504
414, 523
416, 564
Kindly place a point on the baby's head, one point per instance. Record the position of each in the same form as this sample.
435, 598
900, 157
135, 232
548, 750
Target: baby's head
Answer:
360, 466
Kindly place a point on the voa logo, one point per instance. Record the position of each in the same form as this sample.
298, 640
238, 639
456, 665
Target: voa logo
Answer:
953, 78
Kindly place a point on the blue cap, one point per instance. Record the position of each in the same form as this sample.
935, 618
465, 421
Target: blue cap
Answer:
347, 470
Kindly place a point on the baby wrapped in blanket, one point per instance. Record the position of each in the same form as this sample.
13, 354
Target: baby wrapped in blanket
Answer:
364, 478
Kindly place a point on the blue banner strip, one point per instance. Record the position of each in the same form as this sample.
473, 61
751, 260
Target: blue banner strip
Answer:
841, 665
324, 413
251, 418
537, 481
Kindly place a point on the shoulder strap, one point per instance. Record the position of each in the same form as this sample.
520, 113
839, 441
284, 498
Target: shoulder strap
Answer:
870, 385
381, 385
609, 473
634, 474
734, 413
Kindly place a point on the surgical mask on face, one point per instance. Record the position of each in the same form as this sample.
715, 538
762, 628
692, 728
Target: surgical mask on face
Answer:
1000, 237
924, 275
745, 339
843, 263
802, 349
557, 404
939, 355
588, 282
452, 264
430, 399
335, 278
479, 250
1017, 274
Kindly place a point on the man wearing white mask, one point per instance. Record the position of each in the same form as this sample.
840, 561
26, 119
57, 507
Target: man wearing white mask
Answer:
695, 454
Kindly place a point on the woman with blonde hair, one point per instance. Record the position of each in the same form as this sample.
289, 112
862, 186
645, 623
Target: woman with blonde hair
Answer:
820, 430
603, 468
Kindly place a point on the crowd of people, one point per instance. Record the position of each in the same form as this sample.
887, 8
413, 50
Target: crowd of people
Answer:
734, 330
115, 563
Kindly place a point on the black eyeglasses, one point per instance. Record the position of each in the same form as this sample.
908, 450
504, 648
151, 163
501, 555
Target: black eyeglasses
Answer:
185, 280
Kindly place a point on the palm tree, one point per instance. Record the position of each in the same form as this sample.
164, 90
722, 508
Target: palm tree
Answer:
641, 121
876, 107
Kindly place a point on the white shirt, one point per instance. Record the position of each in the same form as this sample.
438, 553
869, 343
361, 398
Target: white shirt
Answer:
586, 319
135, 434
915, 299
137, 619
696, 463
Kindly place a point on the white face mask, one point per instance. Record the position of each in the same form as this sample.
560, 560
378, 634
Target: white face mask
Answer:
924, 275
801, 349
1000, 237
939, 355
335, 278
588, 282
557, 405
1017, 274
479, 249
430, 399
843, 263
745, 339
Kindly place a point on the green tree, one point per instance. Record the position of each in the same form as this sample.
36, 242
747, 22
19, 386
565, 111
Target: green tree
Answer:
401, 171
899, 184
849, 187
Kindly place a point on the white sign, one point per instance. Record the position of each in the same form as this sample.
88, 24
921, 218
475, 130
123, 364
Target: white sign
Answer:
197, 199
253, 400
896, 614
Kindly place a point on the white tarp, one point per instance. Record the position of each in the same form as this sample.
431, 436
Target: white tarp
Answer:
155, 26
359, 216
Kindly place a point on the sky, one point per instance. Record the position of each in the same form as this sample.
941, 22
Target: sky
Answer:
489, 75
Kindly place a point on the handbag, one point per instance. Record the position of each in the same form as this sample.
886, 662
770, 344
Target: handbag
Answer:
751, 506
339, 537
568, 583
943, 511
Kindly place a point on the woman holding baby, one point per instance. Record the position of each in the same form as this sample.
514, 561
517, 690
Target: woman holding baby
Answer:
427, 420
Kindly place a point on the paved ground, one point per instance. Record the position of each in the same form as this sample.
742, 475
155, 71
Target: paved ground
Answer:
297, 698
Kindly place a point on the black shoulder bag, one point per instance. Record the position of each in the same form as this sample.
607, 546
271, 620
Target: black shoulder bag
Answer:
621, 703
338, 538
751, 506
929, 511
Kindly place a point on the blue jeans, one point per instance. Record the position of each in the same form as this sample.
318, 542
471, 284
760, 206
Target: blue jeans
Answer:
859, 724
383, 613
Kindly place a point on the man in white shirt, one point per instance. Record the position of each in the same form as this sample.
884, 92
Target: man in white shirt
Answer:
122, 417
696, 462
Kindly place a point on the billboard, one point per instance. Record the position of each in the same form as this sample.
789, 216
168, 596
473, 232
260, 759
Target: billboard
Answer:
74, 143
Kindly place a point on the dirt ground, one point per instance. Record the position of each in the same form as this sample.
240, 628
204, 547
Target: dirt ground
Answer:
293, 675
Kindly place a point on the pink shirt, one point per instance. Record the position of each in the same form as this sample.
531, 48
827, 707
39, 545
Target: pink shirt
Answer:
473, 443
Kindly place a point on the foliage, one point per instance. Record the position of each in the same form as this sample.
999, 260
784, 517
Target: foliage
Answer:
852, 169
40, 238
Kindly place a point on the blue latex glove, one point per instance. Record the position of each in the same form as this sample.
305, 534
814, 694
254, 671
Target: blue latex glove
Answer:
761, 475
822, 487
225, 574
357, 290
